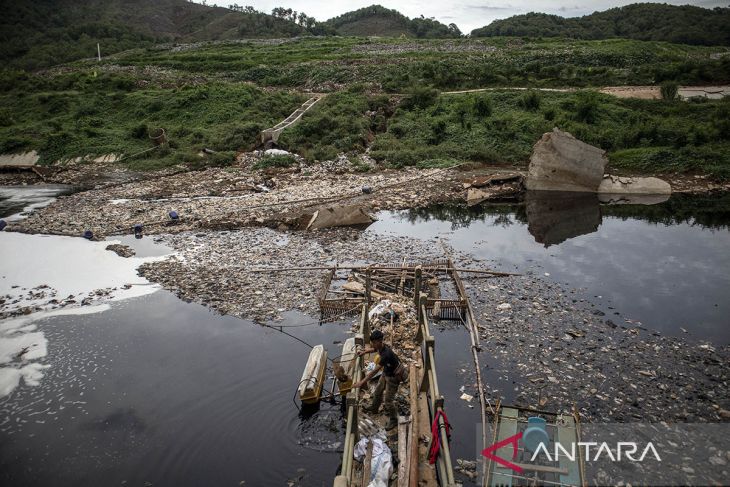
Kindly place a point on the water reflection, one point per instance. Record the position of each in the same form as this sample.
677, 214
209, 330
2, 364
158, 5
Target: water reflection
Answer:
17, 200
666, 265
553, 217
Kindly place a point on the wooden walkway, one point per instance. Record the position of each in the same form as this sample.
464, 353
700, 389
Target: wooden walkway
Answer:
426, 404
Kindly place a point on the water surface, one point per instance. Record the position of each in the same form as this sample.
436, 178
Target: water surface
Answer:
155, 390
666, 265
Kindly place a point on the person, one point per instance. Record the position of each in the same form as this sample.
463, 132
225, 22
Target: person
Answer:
393, 374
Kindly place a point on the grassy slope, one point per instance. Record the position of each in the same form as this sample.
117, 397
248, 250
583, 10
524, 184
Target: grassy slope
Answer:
450, 64
502, 127
81, 114
67, 115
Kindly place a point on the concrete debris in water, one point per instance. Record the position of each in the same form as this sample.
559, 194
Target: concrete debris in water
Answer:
496, 186
630, 185
335, 216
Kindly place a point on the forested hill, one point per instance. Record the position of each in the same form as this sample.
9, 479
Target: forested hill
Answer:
642, 21
376, 20
41, 33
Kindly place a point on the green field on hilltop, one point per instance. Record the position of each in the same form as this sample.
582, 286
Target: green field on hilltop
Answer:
446, 64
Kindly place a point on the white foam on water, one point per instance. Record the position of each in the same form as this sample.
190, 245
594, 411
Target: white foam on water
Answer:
68, 266
10, 377
33, 197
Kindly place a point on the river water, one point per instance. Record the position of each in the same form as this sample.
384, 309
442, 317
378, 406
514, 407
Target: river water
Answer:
666, 265
150, 390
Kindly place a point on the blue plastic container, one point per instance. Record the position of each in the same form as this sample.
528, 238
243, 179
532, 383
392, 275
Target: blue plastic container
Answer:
535, 434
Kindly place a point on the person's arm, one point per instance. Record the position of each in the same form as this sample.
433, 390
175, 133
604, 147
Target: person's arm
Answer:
365, 350
369, 376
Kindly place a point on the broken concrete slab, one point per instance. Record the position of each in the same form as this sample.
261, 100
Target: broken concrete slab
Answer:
335, 216
496, 186
560, 162
482, 181
475, 196
630, 185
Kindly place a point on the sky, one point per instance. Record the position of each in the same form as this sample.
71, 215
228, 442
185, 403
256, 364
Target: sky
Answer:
467, 14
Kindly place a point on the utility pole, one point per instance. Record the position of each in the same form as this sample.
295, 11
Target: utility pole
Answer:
98, 51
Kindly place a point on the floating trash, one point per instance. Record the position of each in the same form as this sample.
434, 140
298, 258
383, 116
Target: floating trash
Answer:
174, 216
88, 234
3, 224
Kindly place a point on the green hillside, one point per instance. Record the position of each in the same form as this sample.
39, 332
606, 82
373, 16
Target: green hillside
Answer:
376, 20
642, 21
41, 33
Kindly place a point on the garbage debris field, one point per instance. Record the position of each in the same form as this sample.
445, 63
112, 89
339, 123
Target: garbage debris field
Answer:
231, 198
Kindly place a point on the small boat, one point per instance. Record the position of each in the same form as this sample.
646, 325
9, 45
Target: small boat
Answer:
310, 387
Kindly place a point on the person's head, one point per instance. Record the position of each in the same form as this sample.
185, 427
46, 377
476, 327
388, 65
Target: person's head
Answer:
376, 339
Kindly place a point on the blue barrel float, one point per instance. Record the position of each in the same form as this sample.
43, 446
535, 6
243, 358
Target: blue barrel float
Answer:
174, 216
535, 434
3, 224
88, 234
137, 230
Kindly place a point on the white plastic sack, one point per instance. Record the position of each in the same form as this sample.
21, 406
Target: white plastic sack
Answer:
370, 367
379, 308
381, 465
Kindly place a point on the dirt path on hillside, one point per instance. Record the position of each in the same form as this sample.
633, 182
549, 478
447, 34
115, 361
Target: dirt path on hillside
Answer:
642, 92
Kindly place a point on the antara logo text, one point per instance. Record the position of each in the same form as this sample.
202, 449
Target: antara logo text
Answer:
592, 451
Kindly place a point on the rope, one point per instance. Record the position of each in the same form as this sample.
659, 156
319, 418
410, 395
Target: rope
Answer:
280, 330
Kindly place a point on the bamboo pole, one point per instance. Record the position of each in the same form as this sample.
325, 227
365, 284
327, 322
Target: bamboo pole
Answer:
474, 336
402, 452
413, 442
327, 268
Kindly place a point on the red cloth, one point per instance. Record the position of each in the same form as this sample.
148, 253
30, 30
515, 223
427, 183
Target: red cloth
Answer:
436, 437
